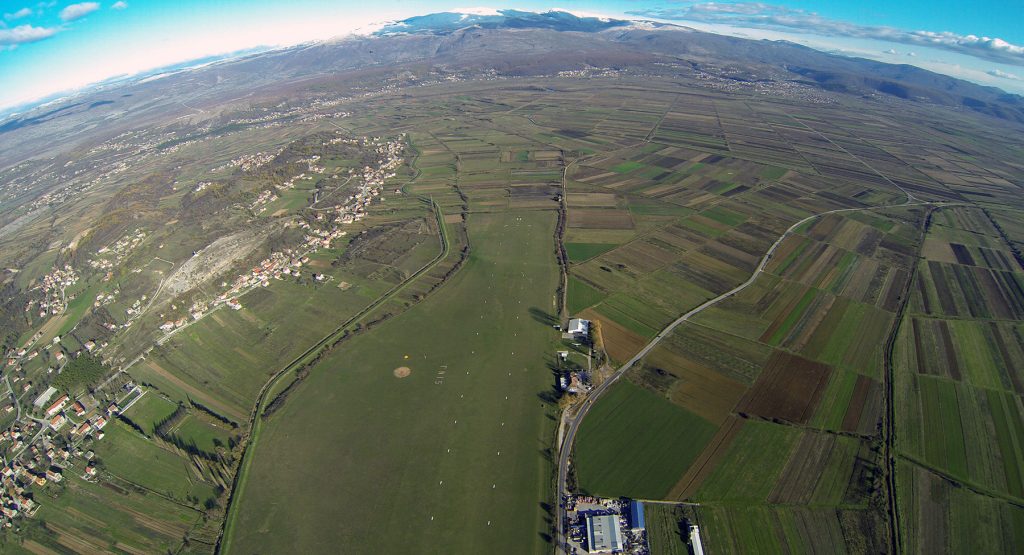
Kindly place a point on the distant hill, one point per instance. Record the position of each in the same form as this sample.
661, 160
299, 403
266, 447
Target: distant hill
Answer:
827, 71
511, 43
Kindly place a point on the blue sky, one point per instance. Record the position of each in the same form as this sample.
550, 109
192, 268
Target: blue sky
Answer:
51, 46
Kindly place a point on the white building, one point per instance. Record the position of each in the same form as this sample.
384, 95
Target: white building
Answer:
44, 397
603, 534
698, 549
579, 327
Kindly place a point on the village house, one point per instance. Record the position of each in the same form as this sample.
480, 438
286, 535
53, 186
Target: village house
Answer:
57, 405
57, 422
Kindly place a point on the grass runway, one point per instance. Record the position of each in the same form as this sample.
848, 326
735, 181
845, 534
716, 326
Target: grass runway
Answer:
450, 458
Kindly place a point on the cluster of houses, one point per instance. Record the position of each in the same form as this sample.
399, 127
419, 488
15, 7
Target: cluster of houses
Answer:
279, 265
111, 255
371, 179
103, 299
259, 205
26, 353
52, 287
249, 162
311, 164
58, 413
37, 452
289, 262
15, 497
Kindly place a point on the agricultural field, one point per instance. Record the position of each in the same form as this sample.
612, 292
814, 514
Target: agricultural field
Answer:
662, 438
142, 462
959, 413
96, 517
800, 349
149, 411
788, 375
665, 533
786, 530
940, 517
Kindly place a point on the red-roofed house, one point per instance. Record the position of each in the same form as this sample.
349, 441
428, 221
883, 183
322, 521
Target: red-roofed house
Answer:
57, 405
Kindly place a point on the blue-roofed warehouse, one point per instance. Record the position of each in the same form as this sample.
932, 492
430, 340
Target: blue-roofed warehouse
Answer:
636, 515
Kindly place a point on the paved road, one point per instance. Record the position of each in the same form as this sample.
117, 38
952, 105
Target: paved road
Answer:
574, 422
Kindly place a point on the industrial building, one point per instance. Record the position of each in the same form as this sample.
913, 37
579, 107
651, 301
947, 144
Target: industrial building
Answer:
603, 534
636, 516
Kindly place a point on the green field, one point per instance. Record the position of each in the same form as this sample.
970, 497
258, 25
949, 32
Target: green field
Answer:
205, 436
755, 529
581, 295
143, 462
958, 399
94, 518
664, 534
578, 252
636, 443
430, 458
626, 167
150, 410
752, 464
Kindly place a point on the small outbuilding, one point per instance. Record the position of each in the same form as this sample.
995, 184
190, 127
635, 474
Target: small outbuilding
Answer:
695, 544
636, 516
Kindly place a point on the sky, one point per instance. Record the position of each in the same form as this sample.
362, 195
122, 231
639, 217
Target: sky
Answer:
51, 46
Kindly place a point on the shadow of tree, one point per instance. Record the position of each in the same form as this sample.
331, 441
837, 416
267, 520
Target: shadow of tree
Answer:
543, 316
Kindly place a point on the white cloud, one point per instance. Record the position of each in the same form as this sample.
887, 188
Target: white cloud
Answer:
24, 12
119, 5
1003, 74
890, 51
78, 11
767, 16
25, 33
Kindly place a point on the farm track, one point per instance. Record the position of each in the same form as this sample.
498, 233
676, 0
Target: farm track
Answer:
889, 420
575, 421
956, 482
317, 348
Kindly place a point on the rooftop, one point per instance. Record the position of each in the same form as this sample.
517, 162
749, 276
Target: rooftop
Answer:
603, 534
